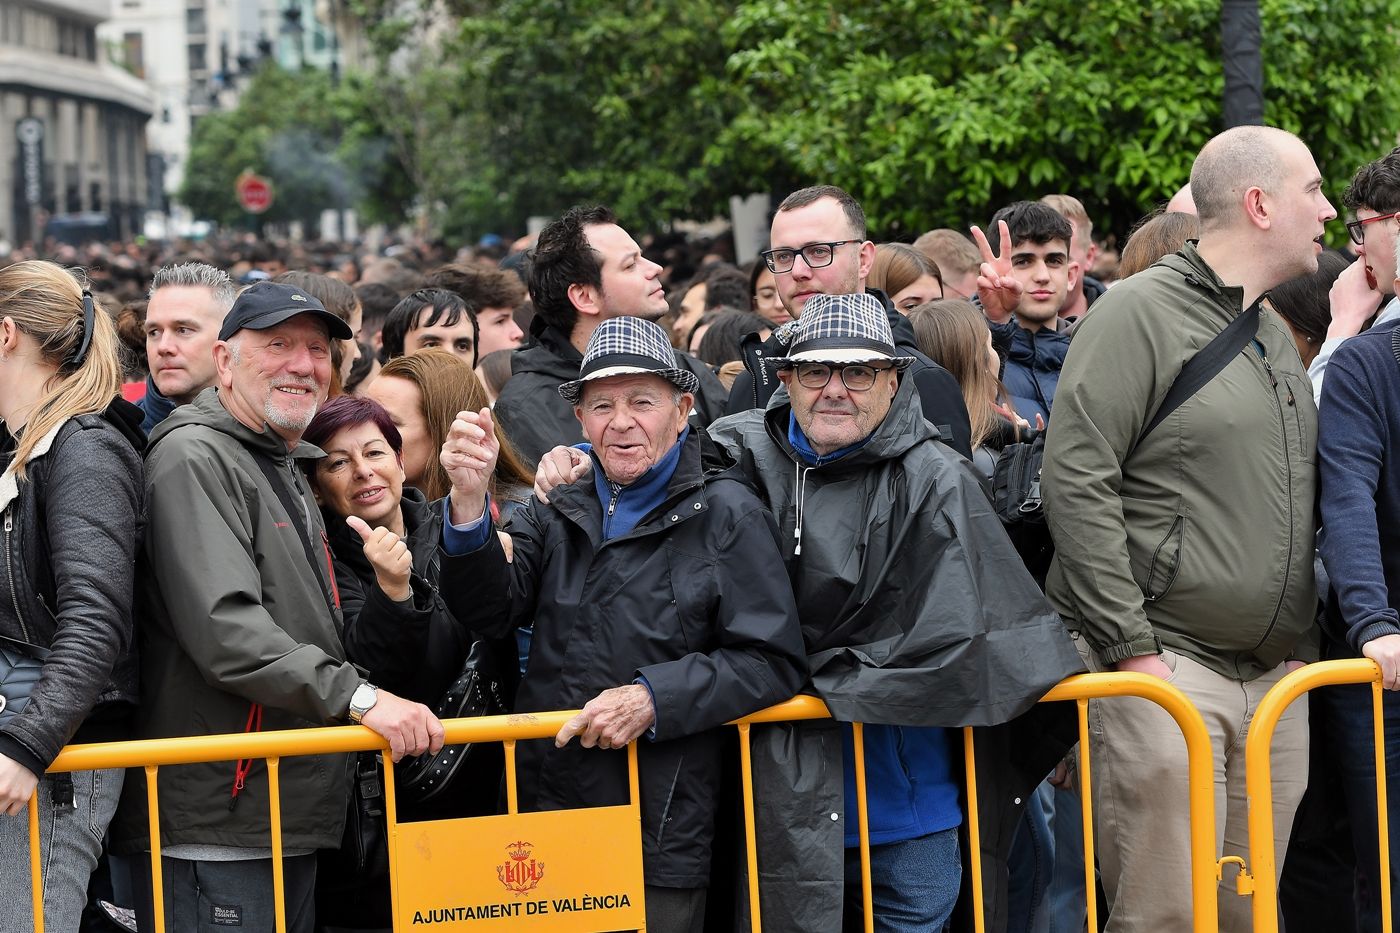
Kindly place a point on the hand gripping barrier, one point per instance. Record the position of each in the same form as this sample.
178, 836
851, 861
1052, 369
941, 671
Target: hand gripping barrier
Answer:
1259, 781
151, 755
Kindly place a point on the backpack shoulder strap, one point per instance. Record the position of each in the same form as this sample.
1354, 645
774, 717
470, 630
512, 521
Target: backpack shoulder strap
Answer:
1206, 365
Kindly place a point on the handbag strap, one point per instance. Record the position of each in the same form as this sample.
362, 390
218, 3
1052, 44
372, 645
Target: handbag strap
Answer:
1207, 364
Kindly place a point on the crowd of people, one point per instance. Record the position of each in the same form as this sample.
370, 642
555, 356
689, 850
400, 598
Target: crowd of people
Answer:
251, 487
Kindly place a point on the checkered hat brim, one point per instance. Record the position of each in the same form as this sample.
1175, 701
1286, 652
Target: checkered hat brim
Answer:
843, 329
628, 345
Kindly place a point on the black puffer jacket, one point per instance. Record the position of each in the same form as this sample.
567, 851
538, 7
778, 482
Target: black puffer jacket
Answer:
536, 418
694, 599
71, 530
415, 648
939, 394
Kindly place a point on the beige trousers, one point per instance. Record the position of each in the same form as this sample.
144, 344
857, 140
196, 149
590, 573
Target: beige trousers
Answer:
1142, 806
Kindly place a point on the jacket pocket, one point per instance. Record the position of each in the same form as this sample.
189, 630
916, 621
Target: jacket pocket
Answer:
1166, 561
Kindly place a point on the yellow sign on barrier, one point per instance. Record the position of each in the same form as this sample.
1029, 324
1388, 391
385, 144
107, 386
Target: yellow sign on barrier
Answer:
574, 871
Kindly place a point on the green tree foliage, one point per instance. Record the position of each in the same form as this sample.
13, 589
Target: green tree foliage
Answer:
937, 114
933, 114
318, 143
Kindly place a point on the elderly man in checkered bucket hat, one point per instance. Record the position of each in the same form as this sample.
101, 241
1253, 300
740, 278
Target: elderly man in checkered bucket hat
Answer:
658, 602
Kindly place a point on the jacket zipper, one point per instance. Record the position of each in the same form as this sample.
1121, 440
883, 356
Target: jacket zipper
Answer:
1288, 473
10, 576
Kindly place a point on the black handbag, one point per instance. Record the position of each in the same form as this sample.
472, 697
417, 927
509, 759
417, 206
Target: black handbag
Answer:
20, 667
477, 691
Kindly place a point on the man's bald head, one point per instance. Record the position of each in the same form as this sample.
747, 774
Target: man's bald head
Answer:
1230, 164
1182, 202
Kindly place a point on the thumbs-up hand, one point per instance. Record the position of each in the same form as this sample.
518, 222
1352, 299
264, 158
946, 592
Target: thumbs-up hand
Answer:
388, 554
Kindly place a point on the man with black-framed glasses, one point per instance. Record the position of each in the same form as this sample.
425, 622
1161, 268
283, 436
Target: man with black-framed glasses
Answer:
1373, 197
818, 246
917, 615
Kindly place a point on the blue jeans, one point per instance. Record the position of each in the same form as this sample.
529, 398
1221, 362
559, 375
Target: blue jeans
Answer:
71, 838
913, 884
1348, 728
1046, 865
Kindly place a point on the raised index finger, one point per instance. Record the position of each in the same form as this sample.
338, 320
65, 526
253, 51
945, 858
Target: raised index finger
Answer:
983, 246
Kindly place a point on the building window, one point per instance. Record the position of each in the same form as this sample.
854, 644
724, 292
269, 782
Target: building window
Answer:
132, 54
194, 21
197, 57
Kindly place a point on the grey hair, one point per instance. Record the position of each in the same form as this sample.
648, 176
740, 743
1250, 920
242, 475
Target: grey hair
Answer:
197, 275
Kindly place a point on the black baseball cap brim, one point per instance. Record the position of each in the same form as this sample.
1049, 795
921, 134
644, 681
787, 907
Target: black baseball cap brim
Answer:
267, 304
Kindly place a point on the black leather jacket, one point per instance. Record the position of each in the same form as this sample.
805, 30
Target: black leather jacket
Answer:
70, 534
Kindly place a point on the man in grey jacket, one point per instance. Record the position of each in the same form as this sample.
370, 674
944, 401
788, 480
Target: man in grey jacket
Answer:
242, 626
1152, 570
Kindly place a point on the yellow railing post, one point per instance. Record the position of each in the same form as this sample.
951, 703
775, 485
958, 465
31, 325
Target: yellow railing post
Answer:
36, 883
1258, 770
1199, 767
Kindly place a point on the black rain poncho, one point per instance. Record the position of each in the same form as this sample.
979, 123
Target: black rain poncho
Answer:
916, 611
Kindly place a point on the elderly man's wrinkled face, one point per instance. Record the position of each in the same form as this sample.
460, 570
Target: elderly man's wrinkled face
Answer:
833, 416
278, 375
631, 421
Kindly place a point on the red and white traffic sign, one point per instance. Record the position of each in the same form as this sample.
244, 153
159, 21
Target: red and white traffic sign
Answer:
254, 192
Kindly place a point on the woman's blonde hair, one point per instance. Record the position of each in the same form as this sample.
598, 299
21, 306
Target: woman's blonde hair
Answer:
448, 385
953, 333
47, 302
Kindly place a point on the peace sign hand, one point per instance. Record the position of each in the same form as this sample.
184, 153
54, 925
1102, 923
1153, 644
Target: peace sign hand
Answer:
999, 292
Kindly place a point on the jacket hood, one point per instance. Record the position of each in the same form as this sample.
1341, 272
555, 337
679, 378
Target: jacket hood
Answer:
904, 427
209, 411
549, 353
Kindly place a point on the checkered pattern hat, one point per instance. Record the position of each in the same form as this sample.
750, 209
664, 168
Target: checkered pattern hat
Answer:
843, 329
625, 346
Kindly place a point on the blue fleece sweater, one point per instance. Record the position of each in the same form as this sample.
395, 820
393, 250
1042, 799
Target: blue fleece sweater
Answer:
909, 789
1359, 432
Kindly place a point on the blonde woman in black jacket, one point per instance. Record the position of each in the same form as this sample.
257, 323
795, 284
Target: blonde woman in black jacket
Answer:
70, 501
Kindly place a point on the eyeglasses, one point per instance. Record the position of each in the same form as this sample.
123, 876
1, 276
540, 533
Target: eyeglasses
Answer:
815, 255
1358, 235
856, 376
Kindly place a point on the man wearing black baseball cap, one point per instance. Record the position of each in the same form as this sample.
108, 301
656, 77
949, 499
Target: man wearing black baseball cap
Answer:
241, 621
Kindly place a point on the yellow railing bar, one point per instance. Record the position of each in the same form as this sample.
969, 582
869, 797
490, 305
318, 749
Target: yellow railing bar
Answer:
36, 887
1199, 766
1086, 803
279, 889
1258, 771
863, 826
157, 873
750, 843
974, 830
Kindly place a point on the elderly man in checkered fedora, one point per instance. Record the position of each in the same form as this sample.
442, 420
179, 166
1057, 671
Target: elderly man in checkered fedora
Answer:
919, 617
656, 600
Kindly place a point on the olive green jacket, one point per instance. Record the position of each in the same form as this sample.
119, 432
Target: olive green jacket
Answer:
1200, 538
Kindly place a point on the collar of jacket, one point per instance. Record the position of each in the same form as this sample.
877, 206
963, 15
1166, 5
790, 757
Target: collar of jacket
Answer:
549, 353
9, 484
1197, 274
209, 411
1043, 348
904, 427
643, 495
700, 461
120, 414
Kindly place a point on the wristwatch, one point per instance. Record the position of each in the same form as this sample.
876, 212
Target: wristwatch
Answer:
363, 700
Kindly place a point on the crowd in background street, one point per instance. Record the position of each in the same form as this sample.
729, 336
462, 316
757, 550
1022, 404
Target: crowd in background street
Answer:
253, 485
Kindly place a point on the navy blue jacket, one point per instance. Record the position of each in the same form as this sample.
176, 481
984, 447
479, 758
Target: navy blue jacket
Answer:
154, 407
1360, 431
1032, 365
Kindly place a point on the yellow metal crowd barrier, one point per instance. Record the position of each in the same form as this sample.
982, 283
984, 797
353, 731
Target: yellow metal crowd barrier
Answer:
151, 755
1259, 780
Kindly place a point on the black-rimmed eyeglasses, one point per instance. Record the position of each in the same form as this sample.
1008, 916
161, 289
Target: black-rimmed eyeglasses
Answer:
855, 376
815, 255
1355, 231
